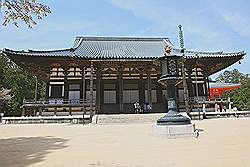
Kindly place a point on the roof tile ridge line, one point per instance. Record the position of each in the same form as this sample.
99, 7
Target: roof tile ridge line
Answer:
34, 51
11, 50
106, 38
235, 53
78, 44
168, 42
50, 51
204, 52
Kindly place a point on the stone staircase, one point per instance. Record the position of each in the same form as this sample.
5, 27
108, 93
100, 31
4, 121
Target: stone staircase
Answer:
126, 118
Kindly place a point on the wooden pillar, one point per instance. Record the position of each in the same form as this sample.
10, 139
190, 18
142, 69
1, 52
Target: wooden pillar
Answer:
55, 111
70, 110
101, 93
66, 88
205, 84
208, 87
120, 83
141, 91
190, 88
149, 89
196, 84
189, 83
98, 90
91, 87
66, 85
83, 89
159, 95
40, 111
185, 88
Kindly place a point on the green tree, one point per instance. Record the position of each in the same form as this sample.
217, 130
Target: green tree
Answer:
21, 84
12, 77
241, 96
233, 76
26, 11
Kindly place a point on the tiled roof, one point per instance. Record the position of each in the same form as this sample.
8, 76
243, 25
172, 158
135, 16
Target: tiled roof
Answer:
119, 48
65, 52
197, 54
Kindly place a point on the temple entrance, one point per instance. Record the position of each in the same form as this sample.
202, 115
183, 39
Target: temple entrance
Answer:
74, 93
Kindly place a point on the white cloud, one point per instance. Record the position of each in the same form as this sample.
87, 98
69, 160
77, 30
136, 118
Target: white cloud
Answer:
239, 23
46, 34
234, 15
166, 15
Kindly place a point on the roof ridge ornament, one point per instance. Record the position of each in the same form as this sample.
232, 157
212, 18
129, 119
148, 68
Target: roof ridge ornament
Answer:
168, 50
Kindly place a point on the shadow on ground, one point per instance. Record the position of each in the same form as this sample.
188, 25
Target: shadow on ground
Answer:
24, 151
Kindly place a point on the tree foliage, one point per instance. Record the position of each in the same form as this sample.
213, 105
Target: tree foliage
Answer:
21, 84
26, 11
233, 76
241, 96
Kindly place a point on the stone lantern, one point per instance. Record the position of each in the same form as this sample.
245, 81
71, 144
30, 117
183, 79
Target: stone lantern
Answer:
173, 124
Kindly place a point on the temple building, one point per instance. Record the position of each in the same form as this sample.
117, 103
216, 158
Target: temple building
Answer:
109, 74
217, 89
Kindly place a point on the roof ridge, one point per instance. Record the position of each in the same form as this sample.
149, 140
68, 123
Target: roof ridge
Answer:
204, 52
121, 38
36, 51
43, 51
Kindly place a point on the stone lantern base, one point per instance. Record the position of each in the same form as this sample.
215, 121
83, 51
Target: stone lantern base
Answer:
175, 125
176, 131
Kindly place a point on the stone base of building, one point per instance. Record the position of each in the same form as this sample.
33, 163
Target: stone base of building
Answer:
175, 131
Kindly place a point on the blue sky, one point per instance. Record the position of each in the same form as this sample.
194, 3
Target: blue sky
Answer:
208, 25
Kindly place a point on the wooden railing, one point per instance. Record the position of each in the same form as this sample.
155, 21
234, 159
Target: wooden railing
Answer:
57, 103
204, 100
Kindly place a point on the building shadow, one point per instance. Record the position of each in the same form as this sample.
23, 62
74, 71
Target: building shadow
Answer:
24, 151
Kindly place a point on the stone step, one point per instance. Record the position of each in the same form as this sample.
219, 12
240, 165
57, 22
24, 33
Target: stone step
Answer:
126, 118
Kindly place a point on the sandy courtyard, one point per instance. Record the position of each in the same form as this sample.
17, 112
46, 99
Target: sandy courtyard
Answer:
222, 142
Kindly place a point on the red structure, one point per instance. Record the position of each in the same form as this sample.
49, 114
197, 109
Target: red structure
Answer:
217, 89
